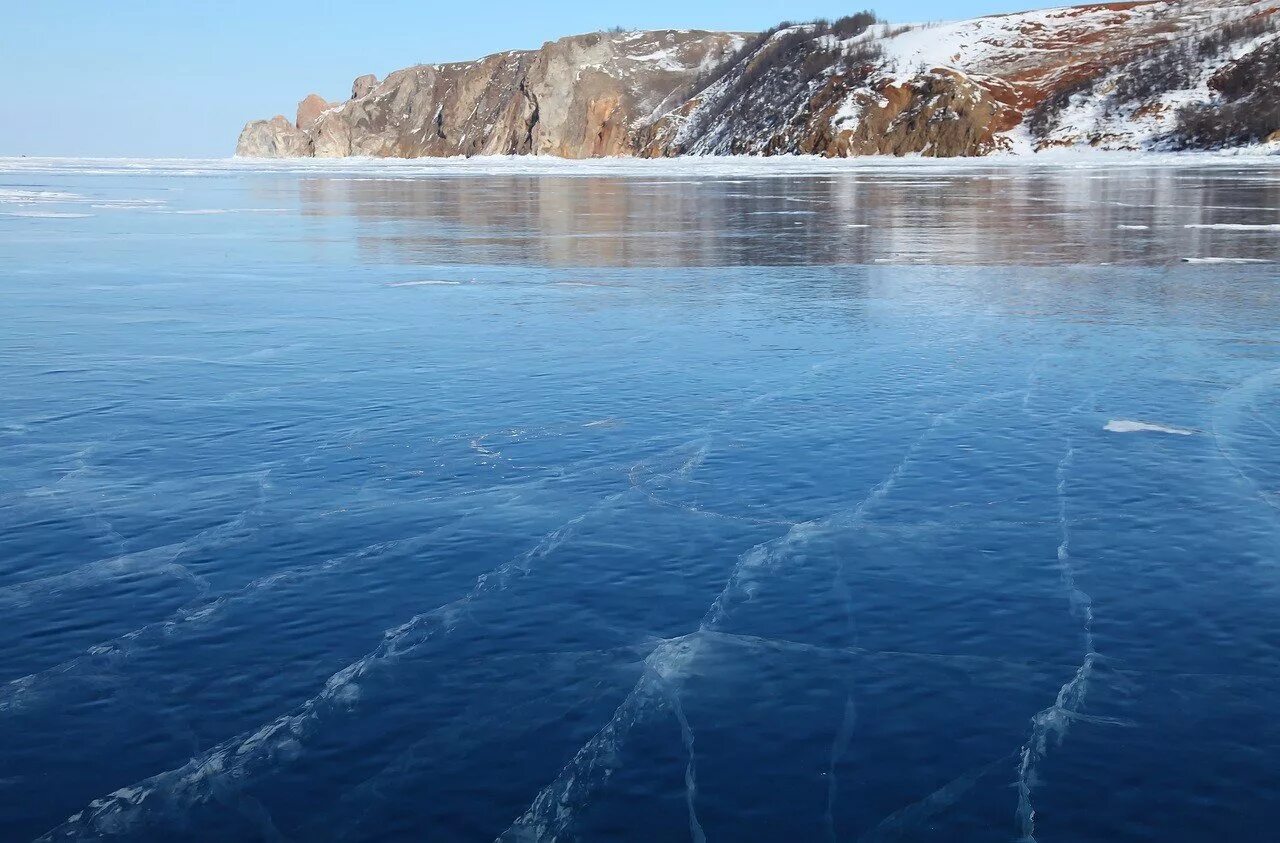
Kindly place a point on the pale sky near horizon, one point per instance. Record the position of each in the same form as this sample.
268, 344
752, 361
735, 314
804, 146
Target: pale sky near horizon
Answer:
138, 78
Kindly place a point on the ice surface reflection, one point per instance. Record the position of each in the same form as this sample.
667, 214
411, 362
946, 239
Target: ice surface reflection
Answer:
452, 501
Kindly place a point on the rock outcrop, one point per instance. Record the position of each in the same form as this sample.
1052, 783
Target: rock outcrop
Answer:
578, 97
309, 110
1128, 75
274, 138
942, 113
363, 85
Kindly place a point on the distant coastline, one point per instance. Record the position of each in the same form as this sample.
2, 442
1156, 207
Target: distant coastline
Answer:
1120, 77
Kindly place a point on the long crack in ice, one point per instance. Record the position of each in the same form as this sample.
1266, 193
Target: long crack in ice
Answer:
691, 766
1225, 415
900, 823
839, 748
553, 810
1052, 723
841, 741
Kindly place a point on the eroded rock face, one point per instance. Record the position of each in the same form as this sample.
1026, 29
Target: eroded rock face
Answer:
363, 85
274, 138
578, 97
434, 110
309, 110
938, 113
942, 113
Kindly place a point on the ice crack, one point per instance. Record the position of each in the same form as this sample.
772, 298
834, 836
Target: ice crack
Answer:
552, 811
1052, 723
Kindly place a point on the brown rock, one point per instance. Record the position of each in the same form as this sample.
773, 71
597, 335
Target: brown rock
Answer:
940, 114
578, 97
310, 109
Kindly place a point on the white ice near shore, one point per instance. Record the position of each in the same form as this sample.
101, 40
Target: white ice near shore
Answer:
425, 282
53, 215
781, 166
1233, 226
49, 204
1225, 260
10, 196
200, 212
1130, 426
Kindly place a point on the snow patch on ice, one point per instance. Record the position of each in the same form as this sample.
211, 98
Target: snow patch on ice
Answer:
1225, 226
30, 197
53, 215
425, 282
1225, 260
1129, 426
212, 211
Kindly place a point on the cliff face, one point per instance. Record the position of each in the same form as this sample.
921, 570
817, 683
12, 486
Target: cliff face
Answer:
578, 97
1131, 75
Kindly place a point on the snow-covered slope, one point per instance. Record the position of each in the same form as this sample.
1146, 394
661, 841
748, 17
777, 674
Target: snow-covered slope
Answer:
1156, 98
1116, 75
1164, 74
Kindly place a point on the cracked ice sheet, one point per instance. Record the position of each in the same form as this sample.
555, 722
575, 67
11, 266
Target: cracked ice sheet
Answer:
538, 704
120, 591
948, 559
120, 511
763, 713
227, 557
261, 644
445, 720
752, 470
594, 590
557, 807
557, 619
1202, 602
972, 590
1180, 733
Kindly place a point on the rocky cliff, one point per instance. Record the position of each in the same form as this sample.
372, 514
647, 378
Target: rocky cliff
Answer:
579, 97
1131, 75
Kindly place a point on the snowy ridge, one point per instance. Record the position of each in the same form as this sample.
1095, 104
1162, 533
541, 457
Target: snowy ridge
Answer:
1017, 83
1101, 117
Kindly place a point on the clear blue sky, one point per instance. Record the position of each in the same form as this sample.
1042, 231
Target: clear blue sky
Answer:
180, 77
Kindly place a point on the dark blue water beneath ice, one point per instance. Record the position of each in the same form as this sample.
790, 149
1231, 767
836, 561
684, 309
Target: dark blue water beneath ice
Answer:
441, 505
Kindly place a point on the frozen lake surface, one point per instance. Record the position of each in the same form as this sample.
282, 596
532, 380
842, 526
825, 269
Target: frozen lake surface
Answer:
724, 501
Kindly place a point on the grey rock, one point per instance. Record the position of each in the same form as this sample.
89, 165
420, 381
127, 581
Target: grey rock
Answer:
274, 138
363, 86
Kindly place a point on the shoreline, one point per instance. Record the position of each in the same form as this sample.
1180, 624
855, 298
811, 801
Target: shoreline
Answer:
683, 166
